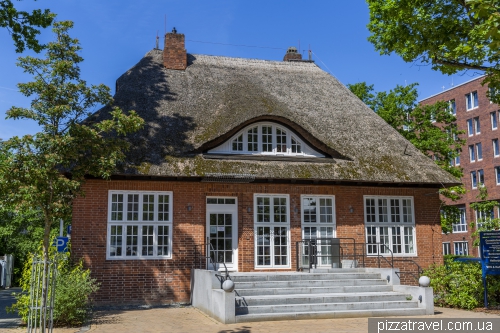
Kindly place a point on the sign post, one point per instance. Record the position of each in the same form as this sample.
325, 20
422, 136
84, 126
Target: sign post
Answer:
490, 257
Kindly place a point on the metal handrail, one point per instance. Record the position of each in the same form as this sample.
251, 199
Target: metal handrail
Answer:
208, 249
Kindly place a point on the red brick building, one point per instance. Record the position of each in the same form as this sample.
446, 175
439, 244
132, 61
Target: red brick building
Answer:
479, 158
250, 156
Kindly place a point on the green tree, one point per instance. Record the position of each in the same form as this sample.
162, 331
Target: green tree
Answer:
46, 171
450, 35
430, 128
23, 25
485, 217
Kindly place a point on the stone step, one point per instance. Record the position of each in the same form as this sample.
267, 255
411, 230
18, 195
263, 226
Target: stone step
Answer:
320, 298
313, 290
249, 277
337, 270
309, 283
325, 307
329, 314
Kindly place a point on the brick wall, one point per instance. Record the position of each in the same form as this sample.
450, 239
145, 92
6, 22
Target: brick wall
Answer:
174, 52
164, 281
488, 163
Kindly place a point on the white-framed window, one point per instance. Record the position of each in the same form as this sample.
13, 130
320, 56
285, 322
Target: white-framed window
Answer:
473, 179
446, 248
457, 158
461, 226
496, 148
482, 216
479, 151
497, 174
272, 230
470, 127
139, 225
452, 108
477, 126
461, 248
472, 154
390, 225
472, 101
266, 138
494, 120
480, 177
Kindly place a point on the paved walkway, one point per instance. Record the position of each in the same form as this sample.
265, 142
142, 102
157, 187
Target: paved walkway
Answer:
8, 320
189, 320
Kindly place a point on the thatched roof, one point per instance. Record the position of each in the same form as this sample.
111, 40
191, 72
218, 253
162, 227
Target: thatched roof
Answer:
188, 112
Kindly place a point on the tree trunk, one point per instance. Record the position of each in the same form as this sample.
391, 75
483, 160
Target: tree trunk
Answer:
45, 278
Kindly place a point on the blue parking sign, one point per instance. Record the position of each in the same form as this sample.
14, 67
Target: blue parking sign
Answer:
62, 244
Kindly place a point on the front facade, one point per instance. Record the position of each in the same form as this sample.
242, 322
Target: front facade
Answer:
246, 158
479, 158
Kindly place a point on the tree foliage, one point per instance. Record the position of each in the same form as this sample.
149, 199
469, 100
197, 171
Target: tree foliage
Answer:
450, 35
46, 171
430, 128
486, 220
23, 25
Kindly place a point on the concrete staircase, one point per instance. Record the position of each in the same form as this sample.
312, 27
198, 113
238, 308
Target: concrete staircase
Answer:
329, 293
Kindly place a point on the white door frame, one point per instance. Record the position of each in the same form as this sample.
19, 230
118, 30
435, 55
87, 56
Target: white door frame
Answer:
225, 209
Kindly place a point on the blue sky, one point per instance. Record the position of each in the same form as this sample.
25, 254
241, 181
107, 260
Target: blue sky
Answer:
115, 35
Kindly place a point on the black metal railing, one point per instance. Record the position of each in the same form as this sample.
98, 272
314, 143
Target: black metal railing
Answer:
206, 257
336, 252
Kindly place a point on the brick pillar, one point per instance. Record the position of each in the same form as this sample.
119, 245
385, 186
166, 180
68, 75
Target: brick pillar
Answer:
174, 52
292, 54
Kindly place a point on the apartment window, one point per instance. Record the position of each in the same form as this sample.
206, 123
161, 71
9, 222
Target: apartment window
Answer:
497, 175
472, 101
470, 127
480, 176
479, 151
461, 226
496, 148
477, 125
457, 158
482, 216
139, 225
446, 248
494, 120
272, 229
473, 178
472, 154
461, 248
452, 108
390, 225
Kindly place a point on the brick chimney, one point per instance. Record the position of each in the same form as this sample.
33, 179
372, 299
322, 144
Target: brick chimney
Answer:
292, 54
174, 52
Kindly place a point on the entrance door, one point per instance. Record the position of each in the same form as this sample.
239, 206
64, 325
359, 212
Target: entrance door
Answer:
222, 232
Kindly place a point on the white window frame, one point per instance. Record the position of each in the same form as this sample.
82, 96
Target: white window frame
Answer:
473, 179
463, 245
470, 127
472, 154
271, 224
452, 107
460, 227
477, 126
480, 214
448, 246
494, 120
470, 100
480, 174
140, 222
457, 158
306, 150
389, 224
497, 175
496, 147
479, 151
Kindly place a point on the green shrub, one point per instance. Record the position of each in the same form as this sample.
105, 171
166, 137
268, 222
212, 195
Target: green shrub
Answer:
460, 285
73, 289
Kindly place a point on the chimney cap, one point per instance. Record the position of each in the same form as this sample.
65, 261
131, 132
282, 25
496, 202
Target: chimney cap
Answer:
291, 49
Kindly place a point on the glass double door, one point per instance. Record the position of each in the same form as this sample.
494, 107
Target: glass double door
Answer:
222, 233
324, 247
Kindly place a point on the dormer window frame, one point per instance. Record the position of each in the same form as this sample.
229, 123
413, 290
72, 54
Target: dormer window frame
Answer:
273, 139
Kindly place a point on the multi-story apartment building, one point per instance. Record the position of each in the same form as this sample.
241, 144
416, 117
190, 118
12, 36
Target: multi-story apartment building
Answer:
479, 158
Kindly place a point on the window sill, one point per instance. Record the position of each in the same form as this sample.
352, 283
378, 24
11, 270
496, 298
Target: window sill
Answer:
139, 258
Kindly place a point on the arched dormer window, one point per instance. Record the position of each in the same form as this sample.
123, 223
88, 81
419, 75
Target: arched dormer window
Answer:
266, 138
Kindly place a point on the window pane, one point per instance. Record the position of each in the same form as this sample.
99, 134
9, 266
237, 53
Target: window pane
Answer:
408, 238
370, 210
407, 212
494, 122
115, 241
263, 246
383, 210
309, 209
148, 207
396, 240
395, 217
296, 148
280, 246
267, 138
470, 128
279, 206
263, 209
132, 237
252, 139
479, 149
163, 208
496, 150
237, 144
371, 240
133, 207
147, 240
117, 207
473, 179
162, 241
280, 140
326, 210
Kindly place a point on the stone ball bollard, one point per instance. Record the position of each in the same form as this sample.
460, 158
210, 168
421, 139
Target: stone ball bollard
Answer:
424, 281
228, 286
